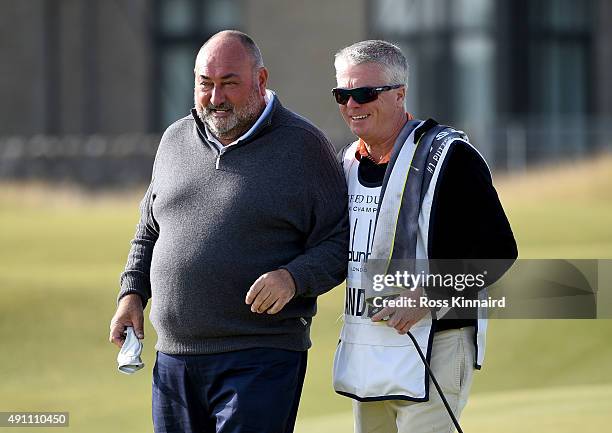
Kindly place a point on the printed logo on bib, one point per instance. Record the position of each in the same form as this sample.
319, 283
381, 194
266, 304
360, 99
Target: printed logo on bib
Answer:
362, 208
363, 204
361, 247
354, 304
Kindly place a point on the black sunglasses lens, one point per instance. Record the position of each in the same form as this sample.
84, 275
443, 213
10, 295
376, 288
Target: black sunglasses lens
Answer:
361, 95
342, 96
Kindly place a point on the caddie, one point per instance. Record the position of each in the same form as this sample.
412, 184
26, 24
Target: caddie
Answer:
417, 191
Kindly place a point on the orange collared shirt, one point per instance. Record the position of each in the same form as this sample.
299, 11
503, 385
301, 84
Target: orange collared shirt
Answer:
362, 150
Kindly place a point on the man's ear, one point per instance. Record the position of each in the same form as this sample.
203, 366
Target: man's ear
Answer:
401, 95
262, 80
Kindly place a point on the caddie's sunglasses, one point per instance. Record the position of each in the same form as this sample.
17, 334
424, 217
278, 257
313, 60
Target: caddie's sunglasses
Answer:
361, 95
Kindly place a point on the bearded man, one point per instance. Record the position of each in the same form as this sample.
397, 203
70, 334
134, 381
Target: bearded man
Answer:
242, 227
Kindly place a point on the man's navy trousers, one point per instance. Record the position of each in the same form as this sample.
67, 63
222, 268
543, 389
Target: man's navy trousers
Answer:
253, 390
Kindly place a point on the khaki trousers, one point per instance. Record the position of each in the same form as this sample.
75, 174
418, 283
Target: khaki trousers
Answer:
452, 361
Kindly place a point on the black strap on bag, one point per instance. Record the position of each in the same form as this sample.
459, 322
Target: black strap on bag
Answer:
439, 136
431, 138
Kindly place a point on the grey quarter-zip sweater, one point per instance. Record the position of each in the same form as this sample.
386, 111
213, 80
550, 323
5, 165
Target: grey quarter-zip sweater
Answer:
211, 223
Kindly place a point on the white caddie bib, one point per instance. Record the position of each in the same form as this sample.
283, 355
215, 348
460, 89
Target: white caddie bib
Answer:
372, 360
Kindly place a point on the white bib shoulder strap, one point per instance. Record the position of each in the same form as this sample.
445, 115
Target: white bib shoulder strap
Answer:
348, 157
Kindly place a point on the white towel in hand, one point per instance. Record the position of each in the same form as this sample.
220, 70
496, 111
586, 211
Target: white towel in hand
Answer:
129, 356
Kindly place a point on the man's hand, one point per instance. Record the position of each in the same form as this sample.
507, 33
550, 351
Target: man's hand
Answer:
129, 313
402, 318
271, 292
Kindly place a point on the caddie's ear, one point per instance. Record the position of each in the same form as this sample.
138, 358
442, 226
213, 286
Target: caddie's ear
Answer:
401, 94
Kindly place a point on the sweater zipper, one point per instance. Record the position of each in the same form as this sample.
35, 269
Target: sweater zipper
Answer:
218, 160
224, 151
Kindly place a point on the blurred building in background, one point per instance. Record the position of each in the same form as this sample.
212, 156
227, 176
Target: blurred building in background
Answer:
89, 85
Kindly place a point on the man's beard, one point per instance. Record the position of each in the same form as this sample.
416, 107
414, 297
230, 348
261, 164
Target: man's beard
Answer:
238, 122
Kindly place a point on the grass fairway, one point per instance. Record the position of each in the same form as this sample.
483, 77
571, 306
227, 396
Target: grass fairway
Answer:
559, 410
61, 256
